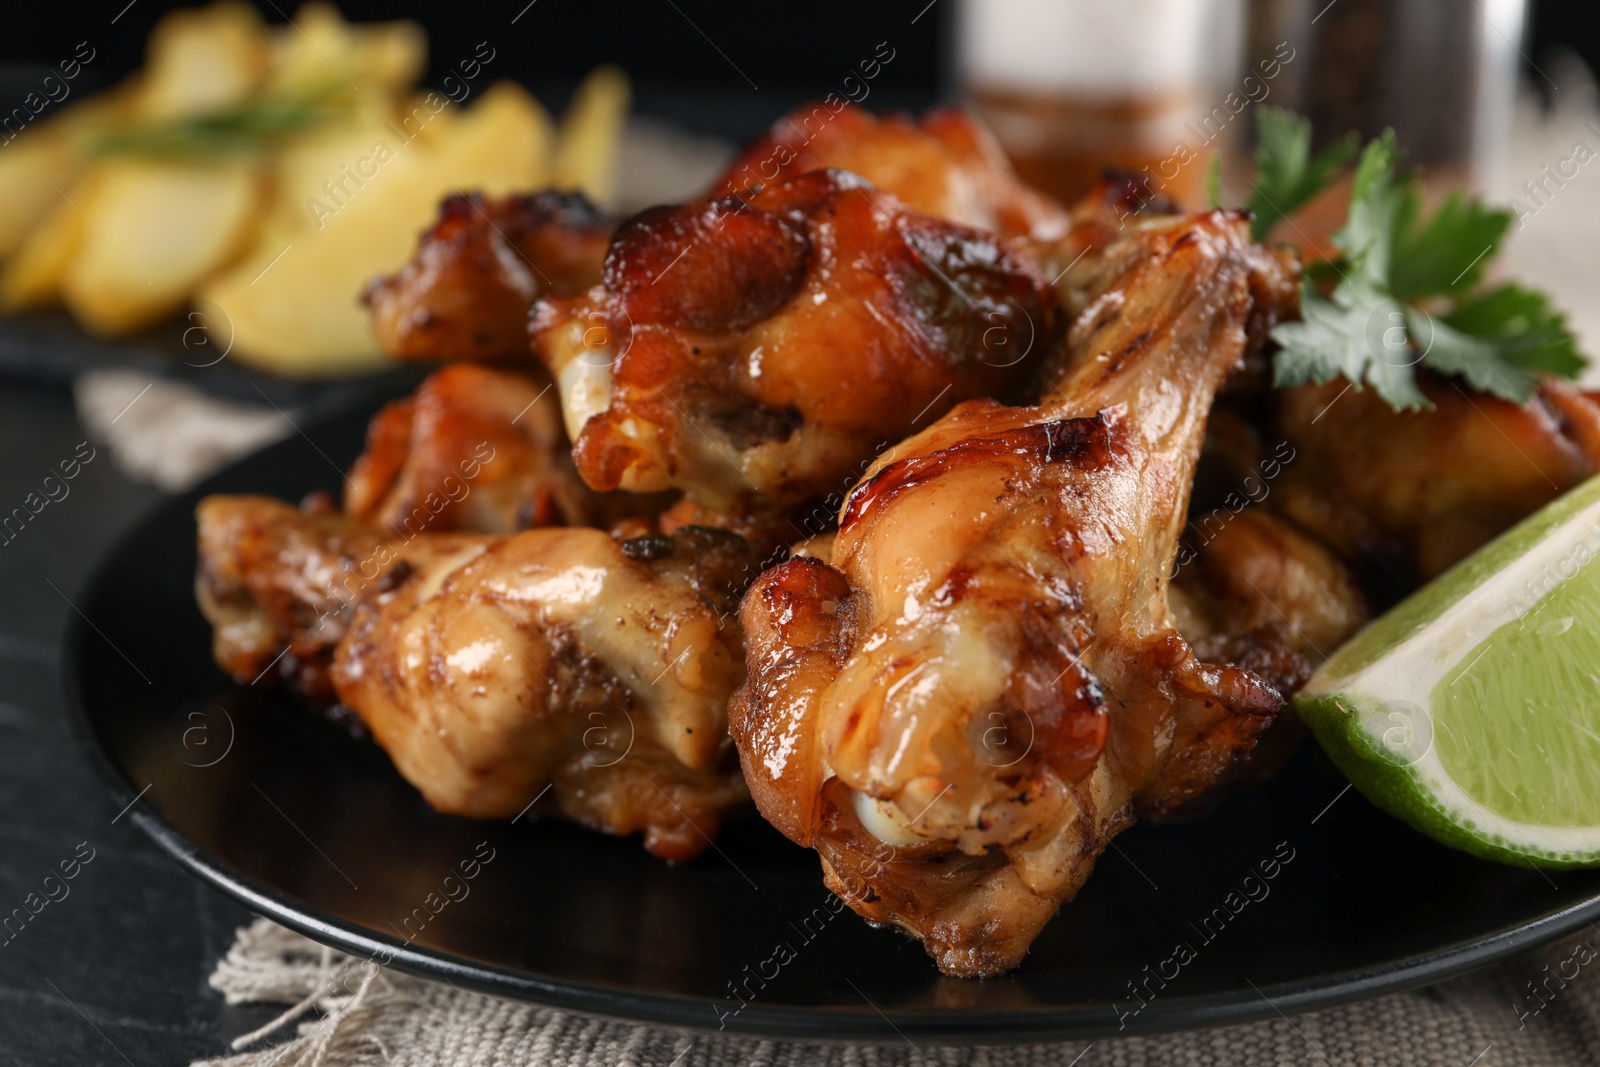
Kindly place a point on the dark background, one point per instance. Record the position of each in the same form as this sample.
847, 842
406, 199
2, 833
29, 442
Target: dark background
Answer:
116, 973
790, 50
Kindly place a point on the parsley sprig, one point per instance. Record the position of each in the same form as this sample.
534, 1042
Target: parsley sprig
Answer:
1286, 175
1409, 289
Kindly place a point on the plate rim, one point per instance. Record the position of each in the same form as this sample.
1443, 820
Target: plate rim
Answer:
754, 1021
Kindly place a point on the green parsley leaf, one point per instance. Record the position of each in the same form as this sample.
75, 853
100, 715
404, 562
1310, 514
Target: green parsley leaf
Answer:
1447, 256
1371, 330
1479, 361
1524, 329
1444, 258
1286, 175
1376, 198
1214, 181
1345, 334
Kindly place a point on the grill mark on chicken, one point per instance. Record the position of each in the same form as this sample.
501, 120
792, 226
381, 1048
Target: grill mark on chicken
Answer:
1086, 439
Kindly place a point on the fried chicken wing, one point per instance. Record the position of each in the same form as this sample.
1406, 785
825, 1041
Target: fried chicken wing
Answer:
1413, 492
474, 449
465, 295
1257, 591
757, 352
278, 585
490, 668
987, 682
948, 165
1101, 240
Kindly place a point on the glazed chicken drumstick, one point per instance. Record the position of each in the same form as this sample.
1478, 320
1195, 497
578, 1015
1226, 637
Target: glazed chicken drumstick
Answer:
946, 165
477, 449
855, 299
465, 295
987, 683
756, 352
1410, 493
493, 668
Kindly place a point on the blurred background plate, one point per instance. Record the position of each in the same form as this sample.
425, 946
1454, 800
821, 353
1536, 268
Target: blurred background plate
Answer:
47, 348
1295, 895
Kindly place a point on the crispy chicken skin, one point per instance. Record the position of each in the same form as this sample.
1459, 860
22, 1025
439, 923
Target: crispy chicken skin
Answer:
1255, 591
465, 295
1261, 593
756, 352
1099, 244
474, 449
272, 577
947, 165
1417, 491
987, 683
492, 667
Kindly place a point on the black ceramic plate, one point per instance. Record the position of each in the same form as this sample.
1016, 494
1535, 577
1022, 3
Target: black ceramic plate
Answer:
1293, 896
49, 348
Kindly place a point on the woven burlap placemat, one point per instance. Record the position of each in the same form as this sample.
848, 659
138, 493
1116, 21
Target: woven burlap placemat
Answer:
1540, 1008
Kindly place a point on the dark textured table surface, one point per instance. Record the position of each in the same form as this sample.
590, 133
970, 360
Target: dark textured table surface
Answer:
114, 971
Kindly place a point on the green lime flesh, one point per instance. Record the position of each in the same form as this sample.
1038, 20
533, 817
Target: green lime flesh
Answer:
1517, 723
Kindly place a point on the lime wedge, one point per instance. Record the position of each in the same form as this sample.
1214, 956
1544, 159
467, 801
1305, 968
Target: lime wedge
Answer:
1472, 710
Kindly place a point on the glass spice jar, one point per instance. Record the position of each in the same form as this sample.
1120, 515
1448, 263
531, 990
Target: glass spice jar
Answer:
1443, 75
1071, 87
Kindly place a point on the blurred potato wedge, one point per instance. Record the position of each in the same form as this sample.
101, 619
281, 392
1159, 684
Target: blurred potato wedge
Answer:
291, 310
34, 273
424, 118
46, 160
274, 171
158, 229
204, 59
322, 49
303, 315
310, 160
499, 145
586, 154
31, 173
